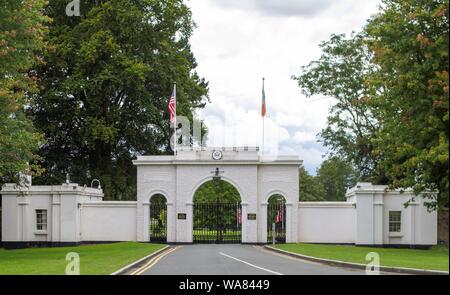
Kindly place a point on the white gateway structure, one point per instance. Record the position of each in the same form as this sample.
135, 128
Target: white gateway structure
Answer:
73, 214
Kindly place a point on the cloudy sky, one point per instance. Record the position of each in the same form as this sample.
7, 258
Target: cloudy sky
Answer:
237, 42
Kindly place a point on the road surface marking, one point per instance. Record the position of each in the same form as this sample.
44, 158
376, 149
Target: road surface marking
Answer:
153, 261
250, 264
282, 255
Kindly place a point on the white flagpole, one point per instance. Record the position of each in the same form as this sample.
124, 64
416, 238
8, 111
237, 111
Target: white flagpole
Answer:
263, 135
263, 129
175, 124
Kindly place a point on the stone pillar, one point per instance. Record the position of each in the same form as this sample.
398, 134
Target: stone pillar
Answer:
414, 217
364, 217
263, 223
244, 226
23, 213
145, 227
140, 221
378, 219
171, 223
56, 218
184, 226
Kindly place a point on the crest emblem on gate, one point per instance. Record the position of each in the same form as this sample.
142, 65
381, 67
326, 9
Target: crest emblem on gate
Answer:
216, 155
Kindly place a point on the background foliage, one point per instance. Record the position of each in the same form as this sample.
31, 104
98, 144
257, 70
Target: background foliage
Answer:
225, 191
88, 94
22, 32
390, 82
105, 88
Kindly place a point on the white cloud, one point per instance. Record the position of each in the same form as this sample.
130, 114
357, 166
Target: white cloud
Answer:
302, 137
236, 47
278, 7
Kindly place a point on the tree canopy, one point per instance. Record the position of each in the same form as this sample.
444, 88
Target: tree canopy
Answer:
409, 40
22, 31
310, 187
105, 88
341, 72
333, 177
336, 176
225, 191
390, 83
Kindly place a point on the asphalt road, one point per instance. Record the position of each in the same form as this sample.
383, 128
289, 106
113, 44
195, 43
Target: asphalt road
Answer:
223, 259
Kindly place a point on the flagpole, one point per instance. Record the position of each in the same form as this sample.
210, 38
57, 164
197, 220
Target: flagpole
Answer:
263, 135
263, 117
175, 125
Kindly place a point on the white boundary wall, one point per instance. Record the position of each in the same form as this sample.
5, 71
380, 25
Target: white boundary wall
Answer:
326, 222
76, 213
108, 221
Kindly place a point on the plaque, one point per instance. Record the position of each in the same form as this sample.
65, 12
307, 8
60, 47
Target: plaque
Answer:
251, 216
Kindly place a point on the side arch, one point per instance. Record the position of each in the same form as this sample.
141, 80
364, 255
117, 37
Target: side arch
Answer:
277, 217
157, 216
275, 192
157, 192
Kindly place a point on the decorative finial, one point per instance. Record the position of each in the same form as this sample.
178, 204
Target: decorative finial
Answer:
98, 181
67, 178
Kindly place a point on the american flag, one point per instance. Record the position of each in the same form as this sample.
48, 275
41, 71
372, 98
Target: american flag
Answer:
263, 103
172, 106
279, 217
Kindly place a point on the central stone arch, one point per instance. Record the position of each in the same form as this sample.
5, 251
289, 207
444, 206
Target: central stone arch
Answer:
210, 178
217, 213
254, 177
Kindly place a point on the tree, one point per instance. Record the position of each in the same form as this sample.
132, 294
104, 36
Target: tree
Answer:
310, 188
341, 73
336, 175
106, 85
391, 87
409, 40
208, 193
22, 31
209, 215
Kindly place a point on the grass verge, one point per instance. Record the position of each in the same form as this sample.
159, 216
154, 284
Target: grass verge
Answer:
98, 259
434, 259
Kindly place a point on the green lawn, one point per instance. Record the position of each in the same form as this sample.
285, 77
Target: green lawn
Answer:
433, 259
94, 259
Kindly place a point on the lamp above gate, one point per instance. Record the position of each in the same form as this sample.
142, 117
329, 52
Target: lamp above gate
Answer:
216, 177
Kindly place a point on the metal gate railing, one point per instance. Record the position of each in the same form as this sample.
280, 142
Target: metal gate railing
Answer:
217, 223
158, 223
276, 213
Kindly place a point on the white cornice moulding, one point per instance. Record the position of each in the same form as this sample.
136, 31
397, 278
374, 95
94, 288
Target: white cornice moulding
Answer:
326, 204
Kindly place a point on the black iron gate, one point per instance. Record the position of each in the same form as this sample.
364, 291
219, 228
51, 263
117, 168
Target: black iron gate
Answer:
158, 223
217, 223
276, 214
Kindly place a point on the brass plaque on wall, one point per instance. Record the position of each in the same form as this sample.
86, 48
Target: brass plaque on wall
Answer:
181, 215
251, 216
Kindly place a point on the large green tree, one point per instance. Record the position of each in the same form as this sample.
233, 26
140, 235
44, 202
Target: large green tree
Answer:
224, 191
341, 73
409, 40
22, 31
336, 175
106, 85
310, 187
390, 83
